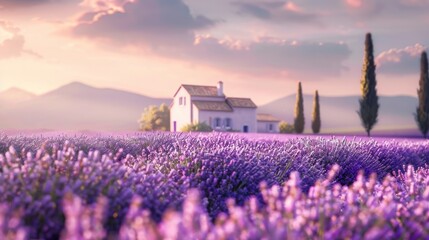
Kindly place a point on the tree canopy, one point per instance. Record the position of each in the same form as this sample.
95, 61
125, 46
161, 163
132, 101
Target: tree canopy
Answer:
155, 118
316, 122
368, 111
422, 111
299, 121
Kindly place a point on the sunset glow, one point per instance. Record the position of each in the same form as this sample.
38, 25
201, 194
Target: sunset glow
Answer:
258, 48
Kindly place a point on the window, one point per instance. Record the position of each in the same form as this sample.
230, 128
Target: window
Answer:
217, 123
180, 100
270, 127
184, 100
228, 124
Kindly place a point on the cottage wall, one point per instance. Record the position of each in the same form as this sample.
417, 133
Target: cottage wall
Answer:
240, 117
180, 115
264, 127
183, 114
210, 116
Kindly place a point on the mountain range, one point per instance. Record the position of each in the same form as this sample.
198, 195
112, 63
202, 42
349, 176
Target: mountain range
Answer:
77, 106
15, 95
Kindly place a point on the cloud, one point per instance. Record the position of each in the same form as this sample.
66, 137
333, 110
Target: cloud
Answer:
21, 3
167, 28
277, 11
400, 61
106, 5
273, 57
151, 23
376, 8
365, 8
13, 46
415, 3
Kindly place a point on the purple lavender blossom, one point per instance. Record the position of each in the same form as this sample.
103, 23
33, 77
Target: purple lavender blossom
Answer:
212, 186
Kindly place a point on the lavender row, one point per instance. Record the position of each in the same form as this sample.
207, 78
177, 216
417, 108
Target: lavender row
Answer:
36, 173
396, 208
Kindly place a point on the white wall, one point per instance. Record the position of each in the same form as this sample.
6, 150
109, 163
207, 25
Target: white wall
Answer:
210, 116
263, 127
186, 114
180, 113
239, 118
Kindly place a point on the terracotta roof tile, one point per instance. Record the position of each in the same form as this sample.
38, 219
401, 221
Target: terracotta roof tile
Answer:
203, 91
220, 106
262, 117
241, 103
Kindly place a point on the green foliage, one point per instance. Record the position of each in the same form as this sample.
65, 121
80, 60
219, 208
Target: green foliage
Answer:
198, 127
422, 111
315, 121
155, 118
299, 121
285, 127
232, 130
368, 111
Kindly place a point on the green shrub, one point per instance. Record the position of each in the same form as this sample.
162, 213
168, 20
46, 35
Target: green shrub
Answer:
285, 127
155, 118
198, 127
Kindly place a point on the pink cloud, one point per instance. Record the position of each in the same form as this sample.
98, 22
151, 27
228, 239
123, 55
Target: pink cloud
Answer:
383, 8
13, 46
23, 3
278, 11
416, 3
147, 23
355, 3
105, 5
291, 6
272, 57
400, 61
366, 8
167, 28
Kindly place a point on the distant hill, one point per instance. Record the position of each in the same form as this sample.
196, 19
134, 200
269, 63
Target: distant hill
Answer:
15, 95
340, 113
77, 106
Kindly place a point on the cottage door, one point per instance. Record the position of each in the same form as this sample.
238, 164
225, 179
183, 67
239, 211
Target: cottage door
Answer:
245, 128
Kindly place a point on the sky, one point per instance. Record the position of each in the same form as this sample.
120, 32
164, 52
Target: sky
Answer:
258, 48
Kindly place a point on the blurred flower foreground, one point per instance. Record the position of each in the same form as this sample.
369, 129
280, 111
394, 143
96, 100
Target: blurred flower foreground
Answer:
213, 186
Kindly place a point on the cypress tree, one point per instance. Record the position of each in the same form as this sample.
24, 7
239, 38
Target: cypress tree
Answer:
316, 122
299, 120
422, 111
368, 111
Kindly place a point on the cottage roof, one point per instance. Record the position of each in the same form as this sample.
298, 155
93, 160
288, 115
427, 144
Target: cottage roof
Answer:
201, 91
262, 117
241, 103
220, 106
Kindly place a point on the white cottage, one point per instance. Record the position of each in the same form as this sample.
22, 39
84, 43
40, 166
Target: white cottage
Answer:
267, 123
198, 104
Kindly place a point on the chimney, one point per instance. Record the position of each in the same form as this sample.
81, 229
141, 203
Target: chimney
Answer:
220, 89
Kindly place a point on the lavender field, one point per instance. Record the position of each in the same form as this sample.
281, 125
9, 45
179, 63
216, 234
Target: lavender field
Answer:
212, 186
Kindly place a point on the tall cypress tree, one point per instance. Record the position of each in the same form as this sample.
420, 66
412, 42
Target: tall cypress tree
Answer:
422, 112
315, 121
299, 120
368, 111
